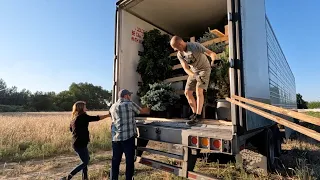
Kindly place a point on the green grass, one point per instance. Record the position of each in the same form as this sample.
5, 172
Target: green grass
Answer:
314, 104
315, 114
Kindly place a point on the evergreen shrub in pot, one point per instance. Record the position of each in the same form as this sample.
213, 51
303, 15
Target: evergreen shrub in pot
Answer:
219, 85
160, 98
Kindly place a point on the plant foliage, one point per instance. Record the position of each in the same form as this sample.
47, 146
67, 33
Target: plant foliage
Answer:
154, 64
207, 36
314, 104
301, 103
159, 97
219, 85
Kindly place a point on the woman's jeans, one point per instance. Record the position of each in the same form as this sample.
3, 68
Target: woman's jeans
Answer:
84, 156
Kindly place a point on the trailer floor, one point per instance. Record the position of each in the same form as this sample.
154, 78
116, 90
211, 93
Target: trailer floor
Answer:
177, 128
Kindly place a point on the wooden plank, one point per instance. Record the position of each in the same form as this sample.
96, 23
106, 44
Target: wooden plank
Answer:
176, 79
178, 66
216, 40
217, 33
308, 132
204, 121
286, 112
226, 30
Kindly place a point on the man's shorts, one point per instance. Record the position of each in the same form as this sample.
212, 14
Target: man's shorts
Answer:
192, 83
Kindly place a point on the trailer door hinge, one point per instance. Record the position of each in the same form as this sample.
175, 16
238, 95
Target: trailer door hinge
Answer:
235, 63
229, 16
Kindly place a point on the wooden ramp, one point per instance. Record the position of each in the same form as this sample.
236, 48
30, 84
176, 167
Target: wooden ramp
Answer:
240, 101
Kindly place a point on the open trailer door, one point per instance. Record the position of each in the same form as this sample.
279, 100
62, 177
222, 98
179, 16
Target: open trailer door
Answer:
128, 45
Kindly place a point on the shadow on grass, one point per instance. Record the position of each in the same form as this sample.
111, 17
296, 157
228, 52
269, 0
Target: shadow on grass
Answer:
301, 157
300, 163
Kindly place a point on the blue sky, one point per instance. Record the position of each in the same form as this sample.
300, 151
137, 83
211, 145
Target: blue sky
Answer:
48, 44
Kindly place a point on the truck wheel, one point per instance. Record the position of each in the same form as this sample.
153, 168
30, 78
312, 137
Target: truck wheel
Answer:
277, 141
269, 149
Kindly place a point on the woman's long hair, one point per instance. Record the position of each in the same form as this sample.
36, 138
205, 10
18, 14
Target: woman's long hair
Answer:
78, 108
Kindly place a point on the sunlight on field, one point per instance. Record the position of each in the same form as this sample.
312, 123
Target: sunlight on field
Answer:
27, 136
34, 135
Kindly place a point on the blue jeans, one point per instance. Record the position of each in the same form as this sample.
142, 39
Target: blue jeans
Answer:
85, 158
118, 148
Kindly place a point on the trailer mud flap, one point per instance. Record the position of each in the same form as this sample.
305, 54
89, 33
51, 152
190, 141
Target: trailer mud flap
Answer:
252, 161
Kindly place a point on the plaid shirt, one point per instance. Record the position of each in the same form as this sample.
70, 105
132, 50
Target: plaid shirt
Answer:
123, 124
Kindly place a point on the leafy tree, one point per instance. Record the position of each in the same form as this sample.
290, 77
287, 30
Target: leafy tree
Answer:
302, 104
64, 100
95, 96
314, 104
41, 101
11, 99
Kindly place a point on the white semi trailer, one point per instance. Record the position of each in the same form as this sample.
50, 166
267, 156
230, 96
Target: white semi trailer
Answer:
258, 71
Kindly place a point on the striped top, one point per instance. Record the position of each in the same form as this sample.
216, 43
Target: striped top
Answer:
123, 114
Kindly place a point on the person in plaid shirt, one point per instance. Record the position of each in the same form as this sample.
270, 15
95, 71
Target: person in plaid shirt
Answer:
124, 131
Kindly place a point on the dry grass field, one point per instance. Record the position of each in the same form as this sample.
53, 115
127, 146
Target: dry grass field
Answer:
38, 135
38, 146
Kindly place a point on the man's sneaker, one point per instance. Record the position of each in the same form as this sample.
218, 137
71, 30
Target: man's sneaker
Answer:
191, 117
196, 119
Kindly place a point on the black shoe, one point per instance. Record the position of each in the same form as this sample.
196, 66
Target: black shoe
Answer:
191, 117
66, 177
196, 119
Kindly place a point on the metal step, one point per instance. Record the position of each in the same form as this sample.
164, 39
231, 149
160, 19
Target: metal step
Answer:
198, 176
162, 166
172, 169
162, 153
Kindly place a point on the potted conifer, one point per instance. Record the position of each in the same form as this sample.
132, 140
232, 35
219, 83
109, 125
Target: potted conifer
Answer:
160, 98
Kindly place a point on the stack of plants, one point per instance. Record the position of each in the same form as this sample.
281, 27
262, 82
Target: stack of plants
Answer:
155, 66
219, 85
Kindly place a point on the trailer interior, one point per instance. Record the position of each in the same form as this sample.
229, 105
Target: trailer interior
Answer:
191, 21
250, 39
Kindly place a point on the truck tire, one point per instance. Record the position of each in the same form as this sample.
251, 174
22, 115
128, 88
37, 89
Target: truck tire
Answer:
268, 149
277, 140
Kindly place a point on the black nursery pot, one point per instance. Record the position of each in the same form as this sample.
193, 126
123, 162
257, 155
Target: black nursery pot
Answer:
163, 114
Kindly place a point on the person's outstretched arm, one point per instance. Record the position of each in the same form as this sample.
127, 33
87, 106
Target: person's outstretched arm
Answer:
185, 66
98, 117
138, 110
104, 116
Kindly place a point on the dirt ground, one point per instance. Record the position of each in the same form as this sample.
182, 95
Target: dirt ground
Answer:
51, 168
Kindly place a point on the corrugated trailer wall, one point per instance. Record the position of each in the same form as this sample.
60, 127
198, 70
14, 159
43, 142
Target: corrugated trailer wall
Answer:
281, 78
255, 60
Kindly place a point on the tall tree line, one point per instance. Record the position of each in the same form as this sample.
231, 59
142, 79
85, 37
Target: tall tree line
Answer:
96, 97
